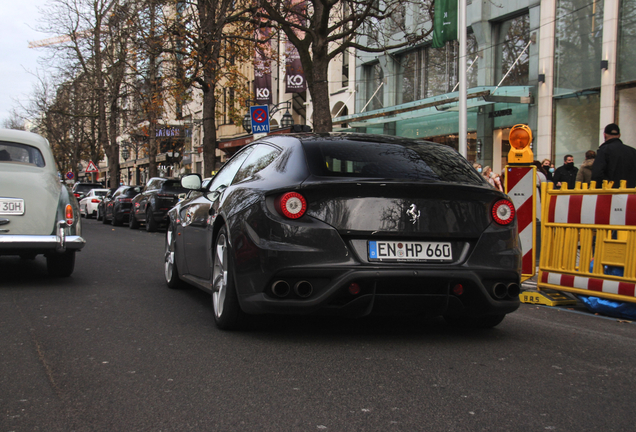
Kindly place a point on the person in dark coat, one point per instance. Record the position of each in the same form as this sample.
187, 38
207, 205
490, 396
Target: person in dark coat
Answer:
565, 173
614, 161
547, 170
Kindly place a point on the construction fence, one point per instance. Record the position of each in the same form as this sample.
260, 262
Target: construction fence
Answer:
588, 241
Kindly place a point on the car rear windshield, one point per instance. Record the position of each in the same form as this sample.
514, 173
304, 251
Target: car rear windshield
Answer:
14, 152
130, 192
101, 193
408, 160
85, 188
173, 186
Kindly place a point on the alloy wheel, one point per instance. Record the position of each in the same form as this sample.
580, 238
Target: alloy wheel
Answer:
219, 275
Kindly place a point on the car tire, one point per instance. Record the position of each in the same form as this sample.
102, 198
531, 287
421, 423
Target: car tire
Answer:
89, 215
227, 310
170, 270
61, 265
132, 221
116, 221
104, 220
488, 321
151, 224
99, 215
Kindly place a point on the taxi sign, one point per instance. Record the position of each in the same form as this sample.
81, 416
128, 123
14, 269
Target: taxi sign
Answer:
260, 118
520, 139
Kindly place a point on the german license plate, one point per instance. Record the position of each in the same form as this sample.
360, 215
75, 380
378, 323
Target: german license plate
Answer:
11, 206
410, 251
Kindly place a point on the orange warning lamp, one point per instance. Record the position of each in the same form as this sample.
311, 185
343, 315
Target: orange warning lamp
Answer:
520, 139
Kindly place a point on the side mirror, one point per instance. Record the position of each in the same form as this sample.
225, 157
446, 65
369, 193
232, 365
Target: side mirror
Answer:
192, 181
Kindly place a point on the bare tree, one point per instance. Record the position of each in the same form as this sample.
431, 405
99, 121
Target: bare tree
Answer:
14, 121
210, 45
322, 30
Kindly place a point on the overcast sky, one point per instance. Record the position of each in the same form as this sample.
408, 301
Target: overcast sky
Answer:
19, 19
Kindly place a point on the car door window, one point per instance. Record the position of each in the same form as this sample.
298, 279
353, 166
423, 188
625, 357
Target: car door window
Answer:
260, 158
226, 175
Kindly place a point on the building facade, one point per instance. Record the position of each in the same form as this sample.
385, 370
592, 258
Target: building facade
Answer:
563, 67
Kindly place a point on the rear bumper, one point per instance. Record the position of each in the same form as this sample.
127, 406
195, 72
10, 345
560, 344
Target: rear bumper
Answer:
389, 291
60, 242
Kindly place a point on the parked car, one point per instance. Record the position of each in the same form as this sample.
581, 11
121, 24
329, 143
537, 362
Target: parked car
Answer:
116, 207
152, 204
100, 205
38, 215
347, 224
81, 189
88, 204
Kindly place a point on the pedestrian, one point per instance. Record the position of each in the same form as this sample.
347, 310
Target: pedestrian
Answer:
565, 173
548, 169
614, 161
477, 166
585, 172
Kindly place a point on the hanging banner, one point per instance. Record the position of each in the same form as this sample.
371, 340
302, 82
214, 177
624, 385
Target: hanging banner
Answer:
263, 68
445, 22
294, 74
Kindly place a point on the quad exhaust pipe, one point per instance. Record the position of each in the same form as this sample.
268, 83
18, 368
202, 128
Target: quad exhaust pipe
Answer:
281, 288
502, 291
302, 289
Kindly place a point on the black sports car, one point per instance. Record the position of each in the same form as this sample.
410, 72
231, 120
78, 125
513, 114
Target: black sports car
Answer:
347, 224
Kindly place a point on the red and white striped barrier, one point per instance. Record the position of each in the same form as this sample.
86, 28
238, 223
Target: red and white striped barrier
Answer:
593, 209
521, 186
589, 284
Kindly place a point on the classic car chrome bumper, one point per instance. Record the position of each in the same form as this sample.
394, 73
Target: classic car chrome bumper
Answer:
58, 242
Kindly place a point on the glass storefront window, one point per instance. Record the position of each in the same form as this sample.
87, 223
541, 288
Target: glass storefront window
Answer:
578, 45
374, 76
429, 72
577, 127
627, 43
514, 36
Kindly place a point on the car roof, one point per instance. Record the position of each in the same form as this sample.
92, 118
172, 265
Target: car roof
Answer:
24, 137
32, 139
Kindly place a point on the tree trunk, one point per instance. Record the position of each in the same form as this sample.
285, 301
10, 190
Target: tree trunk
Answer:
209, 130
319, 91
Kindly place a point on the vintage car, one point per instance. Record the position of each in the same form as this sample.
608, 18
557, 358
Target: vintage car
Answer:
38, 215
347, 224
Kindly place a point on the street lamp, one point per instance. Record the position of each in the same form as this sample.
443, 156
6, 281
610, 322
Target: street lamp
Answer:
125, 153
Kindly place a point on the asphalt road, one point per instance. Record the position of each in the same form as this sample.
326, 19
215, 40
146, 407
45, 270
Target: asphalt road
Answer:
113, 349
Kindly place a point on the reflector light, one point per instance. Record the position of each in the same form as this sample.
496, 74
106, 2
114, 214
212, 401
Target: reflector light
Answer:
69, 214
292, 205
354, 289
503, 212
458, 289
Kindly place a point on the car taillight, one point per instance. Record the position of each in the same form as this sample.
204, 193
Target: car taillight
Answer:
503, 212
291, 205
95, 200
69, 214
124, 200
76, 194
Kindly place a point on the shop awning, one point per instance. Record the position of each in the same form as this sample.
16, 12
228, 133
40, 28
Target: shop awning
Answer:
477, 96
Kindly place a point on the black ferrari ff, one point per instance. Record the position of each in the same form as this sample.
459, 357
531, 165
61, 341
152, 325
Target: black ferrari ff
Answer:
347, 224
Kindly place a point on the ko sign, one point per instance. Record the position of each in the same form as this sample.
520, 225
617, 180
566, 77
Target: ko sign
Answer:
260, 119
